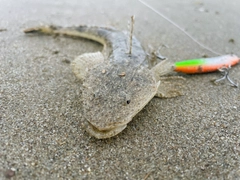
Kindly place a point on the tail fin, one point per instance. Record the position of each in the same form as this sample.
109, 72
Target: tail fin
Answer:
42, 30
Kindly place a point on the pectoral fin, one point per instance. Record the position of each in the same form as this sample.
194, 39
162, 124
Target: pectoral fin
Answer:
171, 86
84, 62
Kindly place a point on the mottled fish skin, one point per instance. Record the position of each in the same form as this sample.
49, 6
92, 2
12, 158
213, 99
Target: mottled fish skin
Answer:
118, 87
116, 45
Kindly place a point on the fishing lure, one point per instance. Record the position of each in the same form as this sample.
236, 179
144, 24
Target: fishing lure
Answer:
205, 65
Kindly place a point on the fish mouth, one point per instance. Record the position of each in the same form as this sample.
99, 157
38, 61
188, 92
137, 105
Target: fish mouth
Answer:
104, 134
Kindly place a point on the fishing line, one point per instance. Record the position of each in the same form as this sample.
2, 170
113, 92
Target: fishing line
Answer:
178, 27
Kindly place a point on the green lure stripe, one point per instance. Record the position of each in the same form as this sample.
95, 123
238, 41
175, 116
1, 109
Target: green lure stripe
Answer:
191, 62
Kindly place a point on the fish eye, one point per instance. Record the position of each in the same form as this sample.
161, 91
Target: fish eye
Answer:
128, 98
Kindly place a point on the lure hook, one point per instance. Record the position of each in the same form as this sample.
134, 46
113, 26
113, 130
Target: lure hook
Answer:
225, 72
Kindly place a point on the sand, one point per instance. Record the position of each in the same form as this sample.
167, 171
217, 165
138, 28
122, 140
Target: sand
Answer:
196, 136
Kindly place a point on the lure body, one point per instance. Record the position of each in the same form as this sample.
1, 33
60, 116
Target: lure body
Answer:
205, 65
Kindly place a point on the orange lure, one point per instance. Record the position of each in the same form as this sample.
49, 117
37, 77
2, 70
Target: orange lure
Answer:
205, 65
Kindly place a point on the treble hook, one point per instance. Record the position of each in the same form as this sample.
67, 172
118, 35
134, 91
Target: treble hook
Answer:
225, 72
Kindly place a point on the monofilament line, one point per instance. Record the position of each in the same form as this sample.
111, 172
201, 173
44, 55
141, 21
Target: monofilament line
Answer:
181, 29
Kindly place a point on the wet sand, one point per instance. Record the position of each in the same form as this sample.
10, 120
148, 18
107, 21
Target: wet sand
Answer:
196, 136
